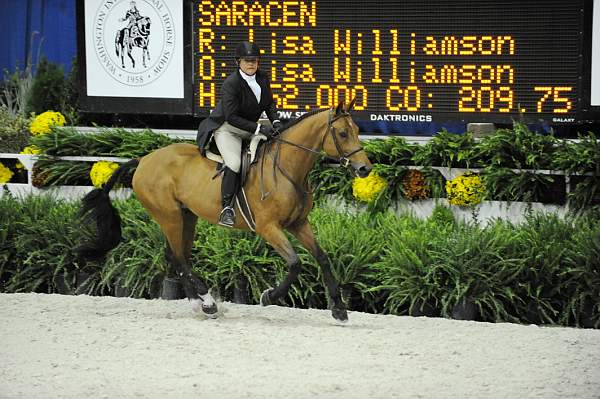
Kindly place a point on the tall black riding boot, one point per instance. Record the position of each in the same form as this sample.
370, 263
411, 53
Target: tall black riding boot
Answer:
229, 187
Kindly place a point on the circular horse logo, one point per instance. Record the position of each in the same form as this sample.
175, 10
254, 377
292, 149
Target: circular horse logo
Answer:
134, 40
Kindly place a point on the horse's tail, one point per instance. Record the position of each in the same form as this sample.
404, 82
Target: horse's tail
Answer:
96, 206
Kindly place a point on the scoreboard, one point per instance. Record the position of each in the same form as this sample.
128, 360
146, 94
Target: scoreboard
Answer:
409, 60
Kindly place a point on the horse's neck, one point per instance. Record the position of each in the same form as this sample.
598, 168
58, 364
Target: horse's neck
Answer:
297, 162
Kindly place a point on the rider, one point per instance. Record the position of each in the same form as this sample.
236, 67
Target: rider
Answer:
133, 14
245, 94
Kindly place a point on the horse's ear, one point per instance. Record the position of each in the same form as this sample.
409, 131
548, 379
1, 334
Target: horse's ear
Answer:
340, 108
351, 105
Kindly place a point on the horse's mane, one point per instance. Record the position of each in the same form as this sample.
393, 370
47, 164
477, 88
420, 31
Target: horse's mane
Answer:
293, 122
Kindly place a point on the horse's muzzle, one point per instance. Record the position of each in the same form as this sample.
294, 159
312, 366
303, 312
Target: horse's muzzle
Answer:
362, 170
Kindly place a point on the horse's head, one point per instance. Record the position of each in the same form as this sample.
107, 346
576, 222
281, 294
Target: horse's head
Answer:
341, 141
144, 25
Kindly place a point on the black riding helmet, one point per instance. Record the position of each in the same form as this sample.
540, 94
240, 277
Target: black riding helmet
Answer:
246, 49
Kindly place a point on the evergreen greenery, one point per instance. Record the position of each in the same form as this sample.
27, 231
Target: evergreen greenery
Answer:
48, 88
544, 271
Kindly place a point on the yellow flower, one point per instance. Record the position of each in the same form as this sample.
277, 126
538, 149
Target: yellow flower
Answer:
30, 149
101, 172
5, 174
44, 122
366, 189
465, 190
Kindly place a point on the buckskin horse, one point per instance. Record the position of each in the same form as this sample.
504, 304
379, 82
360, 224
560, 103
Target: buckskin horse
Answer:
176, 185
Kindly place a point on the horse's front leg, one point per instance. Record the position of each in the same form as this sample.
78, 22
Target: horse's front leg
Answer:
145, 53
304, 233
144, 57
276, 237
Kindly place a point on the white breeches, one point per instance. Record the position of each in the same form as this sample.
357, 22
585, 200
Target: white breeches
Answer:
229, 141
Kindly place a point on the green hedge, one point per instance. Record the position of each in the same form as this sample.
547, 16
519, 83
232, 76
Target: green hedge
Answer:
544, 271
498, 154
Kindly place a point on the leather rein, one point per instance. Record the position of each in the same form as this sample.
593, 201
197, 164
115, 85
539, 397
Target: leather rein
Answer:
343, 159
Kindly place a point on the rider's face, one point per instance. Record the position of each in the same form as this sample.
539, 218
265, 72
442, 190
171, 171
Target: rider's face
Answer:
249, 65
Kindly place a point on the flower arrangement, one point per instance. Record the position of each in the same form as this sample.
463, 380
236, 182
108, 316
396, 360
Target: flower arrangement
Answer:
5, 174
101, 172
39, 177
366, 189
414, 185
43, 123
30, 149
465, 190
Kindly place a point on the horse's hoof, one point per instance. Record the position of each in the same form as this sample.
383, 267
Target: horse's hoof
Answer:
210, 311
264, 297
340, 314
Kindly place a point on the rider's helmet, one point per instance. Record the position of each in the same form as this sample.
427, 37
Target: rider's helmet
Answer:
132, 4
246, 49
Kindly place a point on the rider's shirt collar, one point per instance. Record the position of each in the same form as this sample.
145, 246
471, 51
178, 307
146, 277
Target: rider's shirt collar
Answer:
247, 77
254, 86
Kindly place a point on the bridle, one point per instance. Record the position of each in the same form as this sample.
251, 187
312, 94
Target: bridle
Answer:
343, 159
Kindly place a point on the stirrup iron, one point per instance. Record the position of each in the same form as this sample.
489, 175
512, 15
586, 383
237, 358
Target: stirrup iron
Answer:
227, 217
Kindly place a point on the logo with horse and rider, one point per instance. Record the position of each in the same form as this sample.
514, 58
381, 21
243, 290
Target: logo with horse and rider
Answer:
134, 40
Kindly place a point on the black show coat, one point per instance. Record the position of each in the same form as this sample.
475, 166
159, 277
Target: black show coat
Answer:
238, 106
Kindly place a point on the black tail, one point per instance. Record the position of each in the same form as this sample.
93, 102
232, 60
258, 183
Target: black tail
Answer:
96, 207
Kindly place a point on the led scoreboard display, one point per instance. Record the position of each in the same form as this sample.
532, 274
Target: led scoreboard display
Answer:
409, 60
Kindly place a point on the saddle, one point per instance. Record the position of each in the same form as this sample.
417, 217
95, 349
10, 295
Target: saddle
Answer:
249, 157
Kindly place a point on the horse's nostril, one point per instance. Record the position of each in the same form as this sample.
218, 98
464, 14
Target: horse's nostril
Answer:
364, 171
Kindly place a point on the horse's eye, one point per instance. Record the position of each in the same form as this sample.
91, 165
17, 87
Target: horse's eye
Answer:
344, 134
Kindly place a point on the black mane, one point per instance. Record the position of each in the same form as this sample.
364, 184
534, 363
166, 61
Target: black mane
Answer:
292, 122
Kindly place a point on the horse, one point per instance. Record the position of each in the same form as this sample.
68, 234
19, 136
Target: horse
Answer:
177, 185
137, 35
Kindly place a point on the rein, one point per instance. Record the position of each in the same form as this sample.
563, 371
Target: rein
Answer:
344, 159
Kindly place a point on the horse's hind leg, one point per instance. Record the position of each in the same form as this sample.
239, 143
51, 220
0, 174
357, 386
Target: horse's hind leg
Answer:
276, 237
304, 233
189, 226
189, 230
178, 226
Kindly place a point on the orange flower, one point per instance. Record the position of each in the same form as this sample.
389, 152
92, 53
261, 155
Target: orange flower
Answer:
414, 185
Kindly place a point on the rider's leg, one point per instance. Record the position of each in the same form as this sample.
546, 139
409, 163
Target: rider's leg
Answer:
229, 141
229, 187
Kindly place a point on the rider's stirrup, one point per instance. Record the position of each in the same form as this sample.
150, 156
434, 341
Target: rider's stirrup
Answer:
227, 217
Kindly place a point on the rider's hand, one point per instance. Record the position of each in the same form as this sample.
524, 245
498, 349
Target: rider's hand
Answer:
268, 131
277, 126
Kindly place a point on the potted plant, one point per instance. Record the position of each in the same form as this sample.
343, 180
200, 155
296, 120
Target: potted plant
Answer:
407, 276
